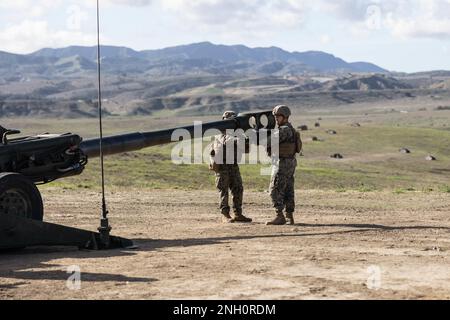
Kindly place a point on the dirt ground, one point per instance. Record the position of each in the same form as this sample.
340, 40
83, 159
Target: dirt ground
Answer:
348, 245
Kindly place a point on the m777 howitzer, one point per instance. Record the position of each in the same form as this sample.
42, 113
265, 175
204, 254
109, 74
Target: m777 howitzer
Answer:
29, 161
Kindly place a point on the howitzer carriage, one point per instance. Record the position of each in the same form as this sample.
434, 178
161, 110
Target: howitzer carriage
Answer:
29, 161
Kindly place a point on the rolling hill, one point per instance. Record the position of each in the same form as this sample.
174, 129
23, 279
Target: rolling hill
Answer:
198, 58
201, 78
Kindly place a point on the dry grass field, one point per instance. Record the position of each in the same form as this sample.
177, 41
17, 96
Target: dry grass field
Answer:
374, 225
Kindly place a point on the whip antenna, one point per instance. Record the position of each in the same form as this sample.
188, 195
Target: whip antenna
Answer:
104, 228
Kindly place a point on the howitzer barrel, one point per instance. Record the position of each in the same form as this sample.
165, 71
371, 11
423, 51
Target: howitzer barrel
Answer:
140, 140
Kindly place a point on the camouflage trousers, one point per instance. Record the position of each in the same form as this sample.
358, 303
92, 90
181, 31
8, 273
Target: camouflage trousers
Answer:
282, 185
229, 178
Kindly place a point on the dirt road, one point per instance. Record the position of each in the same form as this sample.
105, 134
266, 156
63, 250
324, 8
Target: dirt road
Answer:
349, 245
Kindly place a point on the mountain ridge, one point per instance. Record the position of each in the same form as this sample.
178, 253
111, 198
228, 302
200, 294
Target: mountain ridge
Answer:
314, 61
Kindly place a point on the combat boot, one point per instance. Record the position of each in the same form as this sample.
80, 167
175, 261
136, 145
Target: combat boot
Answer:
290, 219
241, 218
278, 221
226, 218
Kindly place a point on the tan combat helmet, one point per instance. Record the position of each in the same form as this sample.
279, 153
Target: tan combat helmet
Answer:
229, 115
282, 110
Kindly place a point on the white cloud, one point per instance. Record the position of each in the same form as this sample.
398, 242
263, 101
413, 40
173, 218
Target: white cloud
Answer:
250, 21
27, 4
325, 39
419, 28
138, 3
31, 35
15, 4
75, 17
401, 18
27, 28
107, 3
429, 19
357, 10
236, 18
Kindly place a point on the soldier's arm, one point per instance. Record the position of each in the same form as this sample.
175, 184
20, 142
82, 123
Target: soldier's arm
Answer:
284, 134
281, 135
217, 143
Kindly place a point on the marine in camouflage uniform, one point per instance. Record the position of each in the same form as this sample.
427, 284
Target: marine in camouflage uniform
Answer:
283, 171
228, 176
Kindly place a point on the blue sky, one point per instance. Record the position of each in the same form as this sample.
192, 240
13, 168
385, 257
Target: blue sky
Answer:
401, 35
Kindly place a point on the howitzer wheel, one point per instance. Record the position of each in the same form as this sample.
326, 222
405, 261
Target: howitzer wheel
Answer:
19, 196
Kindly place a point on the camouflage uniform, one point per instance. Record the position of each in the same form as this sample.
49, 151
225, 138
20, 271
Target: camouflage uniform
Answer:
283, 175
228, 176
283, 171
